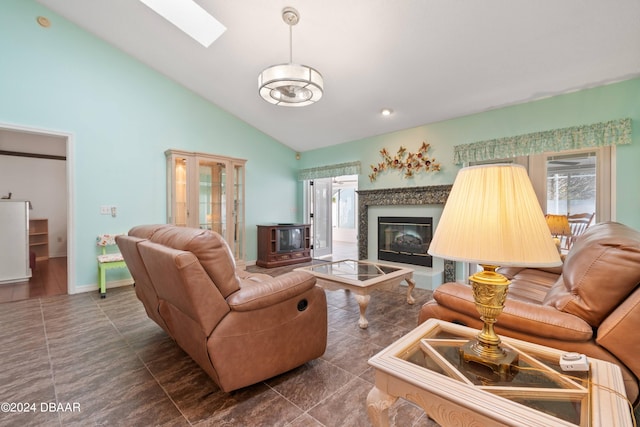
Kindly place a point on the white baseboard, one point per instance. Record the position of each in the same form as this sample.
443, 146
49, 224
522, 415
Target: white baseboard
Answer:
110, 285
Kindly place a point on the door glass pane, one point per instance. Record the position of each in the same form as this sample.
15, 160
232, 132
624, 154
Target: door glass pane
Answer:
343, 207
322, 217
238, 209
571, 184
220, 205
571, 191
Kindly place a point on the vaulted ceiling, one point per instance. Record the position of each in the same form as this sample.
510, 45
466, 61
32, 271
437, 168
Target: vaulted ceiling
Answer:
427, 60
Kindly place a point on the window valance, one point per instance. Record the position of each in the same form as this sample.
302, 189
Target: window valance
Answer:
601, 134
330, 171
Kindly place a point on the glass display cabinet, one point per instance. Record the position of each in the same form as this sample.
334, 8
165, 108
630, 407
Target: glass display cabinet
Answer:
207, 191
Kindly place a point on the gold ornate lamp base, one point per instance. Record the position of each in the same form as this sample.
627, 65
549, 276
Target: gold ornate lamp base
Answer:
489, 292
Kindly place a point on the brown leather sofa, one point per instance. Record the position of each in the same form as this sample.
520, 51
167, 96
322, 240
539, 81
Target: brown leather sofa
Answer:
241, 328
589, 305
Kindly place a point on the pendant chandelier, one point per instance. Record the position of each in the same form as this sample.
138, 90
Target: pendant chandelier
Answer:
290, 85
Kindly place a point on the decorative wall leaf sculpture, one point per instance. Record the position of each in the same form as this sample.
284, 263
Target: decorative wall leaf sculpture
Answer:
406, 162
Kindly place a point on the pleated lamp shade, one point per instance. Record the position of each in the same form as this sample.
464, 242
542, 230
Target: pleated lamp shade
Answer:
492, 217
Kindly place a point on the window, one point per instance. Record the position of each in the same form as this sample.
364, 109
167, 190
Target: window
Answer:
571, 183
575, 182
598, 138
344, 208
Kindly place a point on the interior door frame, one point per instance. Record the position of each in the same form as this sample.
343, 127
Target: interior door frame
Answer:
70, 195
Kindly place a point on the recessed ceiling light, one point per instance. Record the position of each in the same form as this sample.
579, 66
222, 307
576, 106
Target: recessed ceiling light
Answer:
190, 18
386, 112
43, 21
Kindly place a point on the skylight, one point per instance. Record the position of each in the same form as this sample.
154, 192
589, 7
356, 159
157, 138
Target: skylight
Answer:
190, 18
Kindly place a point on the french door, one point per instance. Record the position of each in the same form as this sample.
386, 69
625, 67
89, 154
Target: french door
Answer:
319, 195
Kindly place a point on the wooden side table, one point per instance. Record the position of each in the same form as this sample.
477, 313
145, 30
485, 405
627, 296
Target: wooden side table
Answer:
424, 367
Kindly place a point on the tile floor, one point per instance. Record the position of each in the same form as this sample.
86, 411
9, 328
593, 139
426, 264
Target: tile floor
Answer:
344, 250
106, 356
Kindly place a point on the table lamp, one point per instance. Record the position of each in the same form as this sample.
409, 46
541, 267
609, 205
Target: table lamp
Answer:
559, 226
492, 218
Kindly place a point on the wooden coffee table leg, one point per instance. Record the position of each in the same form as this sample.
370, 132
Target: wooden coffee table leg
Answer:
363, 302
410, 285
378, 404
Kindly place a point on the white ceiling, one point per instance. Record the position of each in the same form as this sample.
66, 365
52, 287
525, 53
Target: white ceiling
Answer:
428, 60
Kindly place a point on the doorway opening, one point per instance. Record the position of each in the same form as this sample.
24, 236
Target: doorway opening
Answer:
332, 212
36, 166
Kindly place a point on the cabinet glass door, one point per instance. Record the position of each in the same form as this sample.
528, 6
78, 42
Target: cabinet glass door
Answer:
211, 196
207, 191
179, 207
237, 214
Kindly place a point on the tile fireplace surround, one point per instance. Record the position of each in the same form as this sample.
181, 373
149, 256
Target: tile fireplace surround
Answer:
431, 195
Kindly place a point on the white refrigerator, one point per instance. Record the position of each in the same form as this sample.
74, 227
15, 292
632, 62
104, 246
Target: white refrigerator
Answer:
14, 241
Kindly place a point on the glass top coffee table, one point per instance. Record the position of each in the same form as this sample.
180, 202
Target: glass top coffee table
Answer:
361, 278
424, 367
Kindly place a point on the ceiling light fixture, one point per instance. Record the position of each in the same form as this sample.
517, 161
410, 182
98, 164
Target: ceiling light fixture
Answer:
386, 112
290, 85
189, 17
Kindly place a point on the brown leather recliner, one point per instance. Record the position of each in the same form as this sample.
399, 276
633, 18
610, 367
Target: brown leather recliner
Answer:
241, 328
589, 305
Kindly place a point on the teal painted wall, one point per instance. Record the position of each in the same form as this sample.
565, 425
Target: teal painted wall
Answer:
123, 116
599, 104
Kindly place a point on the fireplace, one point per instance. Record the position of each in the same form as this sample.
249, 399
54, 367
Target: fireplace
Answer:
405, 239
405, 196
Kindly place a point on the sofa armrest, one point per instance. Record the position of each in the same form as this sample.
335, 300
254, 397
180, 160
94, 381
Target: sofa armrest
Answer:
520, 316
259, 291
618, 332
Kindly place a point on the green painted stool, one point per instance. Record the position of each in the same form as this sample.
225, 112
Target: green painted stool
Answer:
107, 261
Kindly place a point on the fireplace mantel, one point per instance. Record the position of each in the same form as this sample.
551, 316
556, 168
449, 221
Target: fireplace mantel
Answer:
431, 195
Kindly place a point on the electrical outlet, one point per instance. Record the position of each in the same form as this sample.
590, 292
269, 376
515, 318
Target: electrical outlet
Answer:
105, 210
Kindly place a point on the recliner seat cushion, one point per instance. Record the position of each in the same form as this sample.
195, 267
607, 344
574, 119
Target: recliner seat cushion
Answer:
520, 316
529, 284
600, 271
